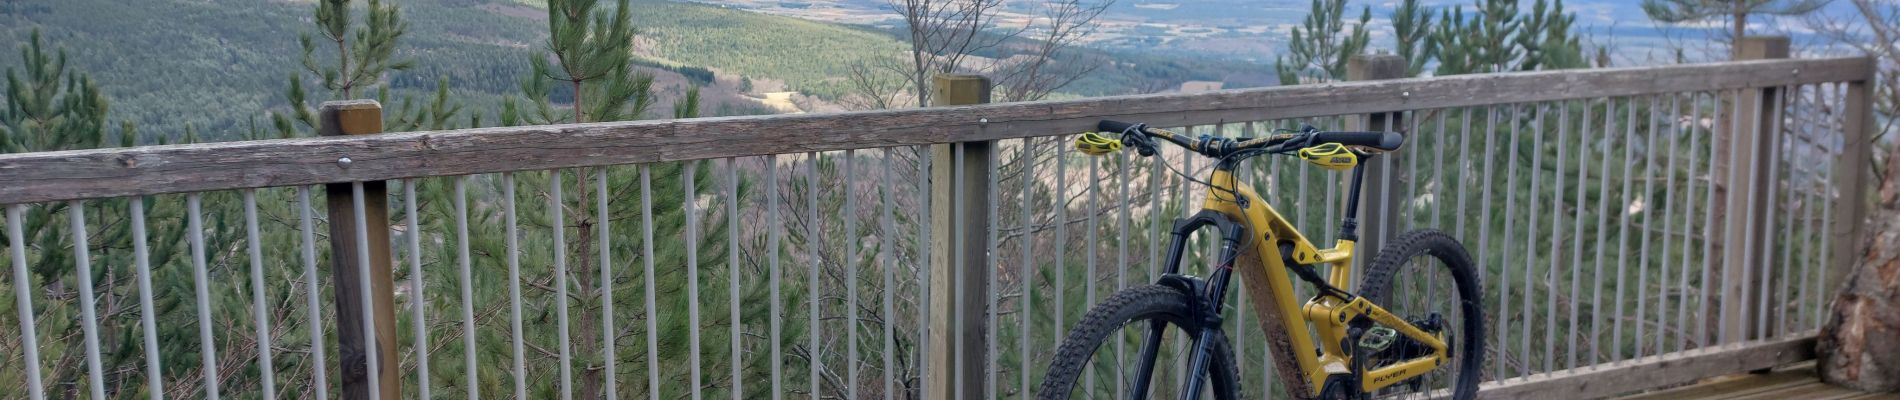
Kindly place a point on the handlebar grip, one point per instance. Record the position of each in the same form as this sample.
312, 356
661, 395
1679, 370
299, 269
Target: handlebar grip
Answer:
1379, 140
1107, 126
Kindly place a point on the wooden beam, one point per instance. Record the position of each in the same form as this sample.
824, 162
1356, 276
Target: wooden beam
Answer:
1751, 143
1852, 175
1655, 371
960, 259
349, 118
101, 173
1378, 204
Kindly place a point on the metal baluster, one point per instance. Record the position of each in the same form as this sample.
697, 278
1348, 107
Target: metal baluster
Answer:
1025, 243
1642, 264
732, 276
260, 312
141, 259
1688, 230
814, 359
607, 332
1484, 230
371, 358
646, 256
311, 304
23, 298
1510, 203
1603, 224
467, 279
514, 284
689, 185
89, 318
846, 181
1530, 232
1576, 222
557, 218
776, 231
207, 348
887, 234
1669, 191
990, 270
1556, 236
1623, 233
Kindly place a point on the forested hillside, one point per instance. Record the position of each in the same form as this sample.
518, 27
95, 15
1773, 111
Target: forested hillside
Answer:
217, 64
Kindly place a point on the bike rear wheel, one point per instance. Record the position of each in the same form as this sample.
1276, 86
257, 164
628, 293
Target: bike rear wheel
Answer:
1101, 358
1427, 278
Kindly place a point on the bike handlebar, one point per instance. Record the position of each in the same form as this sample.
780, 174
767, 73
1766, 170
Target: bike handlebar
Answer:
1219, 147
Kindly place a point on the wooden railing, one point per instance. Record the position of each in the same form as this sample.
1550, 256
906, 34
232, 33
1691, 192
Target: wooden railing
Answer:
1751, 175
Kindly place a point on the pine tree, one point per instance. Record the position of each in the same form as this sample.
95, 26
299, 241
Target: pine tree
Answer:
1411, 25
1316, 51
1736, 11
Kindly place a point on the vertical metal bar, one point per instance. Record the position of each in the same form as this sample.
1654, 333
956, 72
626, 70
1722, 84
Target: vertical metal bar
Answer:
473, 381
1439, 137
1649, 205
557, 218
990, 271
1088, 251
1688, 230
846, 180
1709, 239
23, 298
514, 283
208, 351
1806, 199
814, 357
1556, 235
1510, 203
776, 231
887, 235
608, 349
415, 289
1584, 140
1464, 147
1484, 230
1767, 205
1028, 277
924, 226
1669, 130
1784, 190
362, 272
1623, 233
1603, 224
141, 259
732, 276
1831, 191
89, 323
265, 368
689, 184
1530, 232
646, 257
311, 304
1059, 199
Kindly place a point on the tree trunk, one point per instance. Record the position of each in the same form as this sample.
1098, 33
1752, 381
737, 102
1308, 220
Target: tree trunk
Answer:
1860, 345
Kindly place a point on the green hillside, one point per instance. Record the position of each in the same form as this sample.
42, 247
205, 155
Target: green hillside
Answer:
216, 65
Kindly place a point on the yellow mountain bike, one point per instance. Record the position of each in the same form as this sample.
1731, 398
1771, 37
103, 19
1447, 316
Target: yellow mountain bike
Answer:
1411, 330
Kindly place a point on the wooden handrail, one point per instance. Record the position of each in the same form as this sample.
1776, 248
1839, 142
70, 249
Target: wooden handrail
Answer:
102, 173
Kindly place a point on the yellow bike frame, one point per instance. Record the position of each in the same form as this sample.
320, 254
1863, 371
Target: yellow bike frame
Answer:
1328, 314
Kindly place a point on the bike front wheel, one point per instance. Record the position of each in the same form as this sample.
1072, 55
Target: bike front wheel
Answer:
1103, 357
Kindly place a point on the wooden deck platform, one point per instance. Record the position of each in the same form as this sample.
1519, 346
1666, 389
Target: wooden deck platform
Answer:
1796, 382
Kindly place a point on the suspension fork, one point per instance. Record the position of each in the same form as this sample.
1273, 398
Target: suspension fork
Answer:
1207, 300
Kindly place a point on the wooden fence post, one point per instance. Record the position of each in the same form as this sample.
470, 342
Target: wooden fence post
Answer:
1851, 178
1752, 146
959, 262
360, 117
1377, 203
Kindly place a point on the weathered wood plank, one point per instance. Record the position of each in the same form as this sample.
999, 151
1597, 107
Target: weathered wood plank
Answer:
1719, 386
1656, 371
69, 175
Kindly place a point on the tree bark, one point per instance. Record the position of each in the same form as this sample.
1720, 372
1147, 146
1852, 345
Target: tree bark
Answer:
1859, 346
